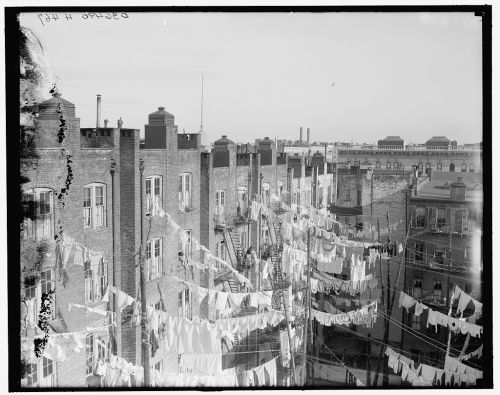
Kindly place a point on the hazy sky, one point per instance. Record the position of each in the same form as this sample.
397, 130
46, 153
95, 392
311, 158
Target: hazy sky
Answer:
407, 74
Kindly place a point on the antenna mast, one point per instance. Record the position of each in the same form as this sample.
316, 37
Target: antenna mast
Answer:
201, 122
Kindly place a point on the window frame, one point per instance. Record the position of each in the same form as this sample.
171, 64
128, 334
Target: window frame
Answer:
96, 282
153, 261
416, 282
94, 215
39, 228
154, 200
185, 191
185, 303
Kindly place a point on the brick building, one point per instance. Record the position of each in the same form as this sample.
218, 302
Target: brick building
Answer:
444, 249
437, 155
119, 186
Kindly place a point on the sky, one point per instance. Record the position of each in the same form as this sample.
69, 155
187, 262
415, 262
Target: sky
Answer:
267, 74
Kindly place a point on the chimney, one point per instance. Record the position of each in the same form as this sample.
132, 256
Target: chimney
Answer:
301, 135
308, 135
458, 190
98, 120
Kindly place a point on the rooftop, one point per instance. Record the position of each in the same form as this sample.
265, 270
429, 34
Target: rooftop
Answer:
439, 186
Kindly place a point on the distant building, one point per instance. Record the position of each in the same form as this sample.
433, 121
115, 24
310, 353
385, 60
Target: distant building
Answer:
391, 142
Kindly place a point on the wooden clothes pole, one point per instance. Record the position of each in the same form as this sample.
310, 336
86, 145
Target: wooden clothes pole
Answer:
307, 307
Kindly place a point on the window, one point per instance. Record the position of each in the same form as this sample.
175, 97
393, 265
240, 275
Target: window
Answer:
38, 204
220, 202
415, 321
40, 374
439, 257
48, 371
461, 221
427, 166
347, 196
358, 197
184, 303
396, 165
419, 251
31, 377
96, 349
437, 291
242, 201
185, 248
94, 205
421, 214
471, 168
420, 167
452, 167
34, 289
348, 163
185, 188
266, 193
96, 280
463, 168
439, 167
417, 287
153, 194
356, 163
441, 218
377, 165
388, 165
153, 258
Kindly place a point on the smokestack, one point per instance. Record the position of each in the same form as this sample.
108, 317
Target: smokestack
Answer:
301, 135
98, 120
308, 135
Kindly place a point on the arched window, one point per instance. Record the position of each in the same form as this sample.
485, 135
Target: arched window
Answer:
428, 165
463, 168
471, 168
153, 194
439, 167
38, 207
94, 205
377, 165
356, 163
396, 165
452, 167
388, 165
420, 167
348, 163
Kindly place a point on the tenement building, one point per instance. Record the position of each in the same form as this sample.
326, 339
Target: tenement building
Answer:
116, 219
444, 252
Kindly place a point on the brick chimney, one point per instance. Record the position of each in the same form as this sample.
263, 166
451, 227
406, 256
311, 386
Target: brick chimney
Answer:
458, 190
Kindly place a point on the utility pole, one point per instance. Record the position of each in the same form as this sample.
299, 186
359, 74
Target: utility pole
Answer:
116, 314
448, 297
144, 313
307, 306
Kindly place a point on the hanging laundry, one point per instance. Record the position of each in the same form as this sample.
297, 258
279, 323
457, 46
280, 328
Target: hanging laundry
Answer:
406, 301
209, 364
419, 308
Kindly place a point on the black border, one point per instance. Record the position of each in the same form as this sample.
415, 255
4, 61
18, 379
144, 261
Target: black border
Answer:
12, 159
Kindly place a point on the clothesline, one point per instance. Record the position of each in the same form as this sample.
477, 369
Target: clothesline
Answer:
208, 256
426, 375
